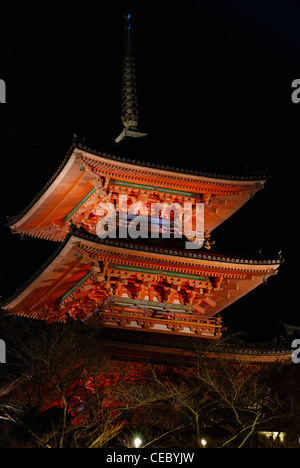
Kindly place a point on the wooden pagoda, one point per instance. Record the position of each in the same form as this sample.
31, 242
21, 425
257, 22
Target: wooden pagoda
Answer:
134, 288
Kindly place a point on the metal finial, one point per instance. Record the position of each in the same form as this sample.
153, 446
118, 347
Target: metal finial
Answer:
129, 96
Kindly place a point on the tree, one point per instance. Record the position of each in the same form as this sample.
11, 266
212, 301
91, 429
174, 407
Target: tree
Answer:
67, 392
228, 402
70, 392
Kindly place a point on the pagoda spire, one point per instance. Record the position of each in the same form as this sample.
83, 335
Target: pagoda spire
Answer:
129, 93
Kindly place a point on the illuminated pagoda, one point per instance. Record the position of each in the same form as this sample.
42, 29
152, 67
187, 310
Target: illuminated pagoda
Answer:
143, 292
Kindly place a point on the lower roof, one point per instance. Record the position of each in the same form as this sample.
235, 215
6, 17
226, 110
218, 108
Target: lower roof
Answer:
73, 264
170, 349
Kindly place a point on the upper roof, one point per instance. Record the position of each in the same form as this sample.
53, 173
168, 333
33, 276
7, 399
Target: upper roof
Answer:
83, 169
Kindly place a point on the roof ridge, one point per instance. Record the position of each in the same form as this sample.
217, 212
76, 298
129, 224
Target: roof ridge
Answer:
258, 175
84, 234
13, 219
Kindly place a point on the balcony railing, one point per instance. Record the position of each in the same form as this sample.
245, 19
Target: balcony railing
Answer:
180, 322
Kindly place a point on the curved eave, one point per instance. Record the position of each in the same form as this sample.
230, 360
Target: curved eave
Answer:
60, 252
13, 220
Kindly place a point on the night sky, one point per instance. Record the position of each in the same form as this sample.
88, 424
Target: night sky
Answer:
214, 91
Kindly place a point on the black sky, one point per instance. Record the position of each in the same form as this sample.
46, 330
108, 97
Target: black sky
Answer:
214, 88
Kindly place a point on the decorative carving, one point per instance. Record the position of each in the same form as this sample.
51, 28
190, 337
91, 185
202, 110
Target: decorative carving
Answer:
207, 242
150, 288
123, 197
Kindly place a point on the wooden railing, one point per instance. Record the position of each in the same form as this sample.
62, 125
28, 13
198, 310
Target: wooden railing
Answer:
128, 317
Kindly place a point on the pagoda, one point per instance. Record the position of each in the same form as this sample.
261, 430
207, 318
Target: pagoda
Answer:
141, 292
